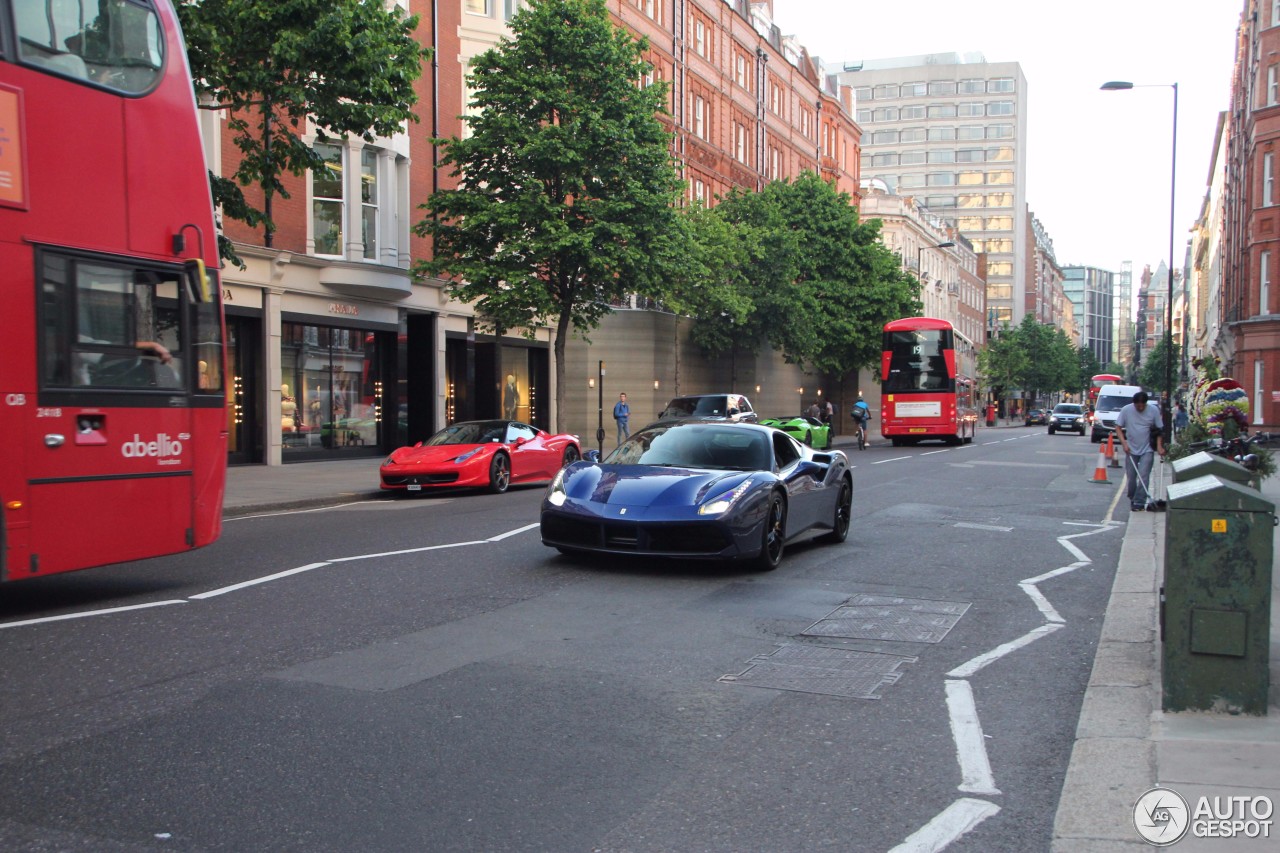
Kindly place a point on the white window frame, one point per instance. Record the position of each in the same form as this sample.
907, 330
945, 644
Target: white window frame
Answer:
1268, 179
340, 201
477, 7
370, 179
1257, 390
1273, 85
739, 142
700, 37
740, 69
1264, 282
1275, 13
699, 117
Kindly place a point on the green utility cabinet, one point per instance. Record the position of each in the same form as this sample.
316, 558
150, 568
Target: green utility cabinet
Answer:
1203, 464
1217, 597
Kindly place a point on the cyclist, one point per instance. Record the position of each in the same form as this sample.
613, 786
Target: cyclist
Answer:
861, 414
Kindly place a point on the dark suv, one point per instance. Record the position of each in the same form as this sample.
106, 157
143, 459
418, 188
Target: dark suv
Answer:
730, 407
1067, 416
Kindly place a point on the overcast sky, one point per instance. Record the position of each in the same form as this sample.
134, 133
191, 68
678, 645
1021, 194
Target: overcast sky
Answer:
1098, 163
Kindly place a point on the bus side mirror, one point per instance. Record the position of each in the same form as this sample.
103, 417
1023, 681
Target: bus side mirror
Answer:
198, 277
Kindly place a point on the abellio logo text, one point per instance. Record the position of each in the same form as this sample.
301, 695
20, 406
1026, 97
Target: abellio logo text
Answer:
162, 448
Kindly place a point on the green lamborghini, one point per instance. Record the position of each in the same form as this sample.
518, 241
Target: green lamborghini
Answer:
811, 431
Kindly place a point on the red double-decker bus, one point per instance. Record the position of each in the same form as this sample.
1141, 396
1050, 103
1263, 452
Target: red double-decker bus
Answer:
112, 385
922, 394
1097, 381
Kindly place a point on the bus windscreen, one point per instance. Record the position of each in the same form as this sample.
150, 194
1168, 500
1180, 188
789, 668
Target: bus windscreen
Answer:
917, 361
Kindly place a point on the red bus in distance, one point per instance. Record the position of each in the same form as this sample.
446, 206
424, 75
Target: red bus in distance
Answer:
1100, 379
922, 396
113, 390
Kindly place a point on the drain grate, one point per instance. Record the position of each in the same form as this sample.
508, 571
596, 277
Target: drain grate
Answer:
885, 617
818, 669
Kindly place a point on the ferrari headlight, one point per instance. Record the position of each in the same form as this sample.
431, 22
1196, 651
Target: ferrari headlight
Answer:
556, 495
464, 457
722, 502
390, 460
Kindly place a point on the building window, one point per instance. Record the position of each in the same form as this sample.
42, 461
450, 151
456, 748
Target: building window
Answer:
1001, 154
862, 93
327, 201
1000, 84
863, 116
1275, 13
701, 38
1268, 180
942, 134
1257, 391
806, 125
886, 90
942, 87
699, 190
739, 142
883, 137
913, 158
884, 160
969, 155
775, 98
999, 131
971, 179
369, 202
1000, 223
914, 111
972, 200
1000, 200
969, 223
914, 90
911, 181
940, 202
477, 7
885, 114
650, 8
1273, 85
913, 134
971, 131
942, 111
970, 109
699, 117
740, 70
942, 155
1000, 108
1264, 283
942, 179
972, 86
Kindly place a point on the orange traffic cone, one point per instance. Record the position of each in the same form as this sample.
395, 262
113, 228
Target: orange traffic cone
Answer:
1100, 473
1113, 458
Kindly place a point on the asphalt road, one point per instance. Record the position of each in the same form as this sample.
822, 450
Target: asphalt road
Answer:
424, 675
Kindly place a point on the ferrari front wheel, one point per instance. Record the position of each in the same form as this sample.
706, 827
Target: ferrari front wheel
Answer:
499, 473
571, 455
773, 537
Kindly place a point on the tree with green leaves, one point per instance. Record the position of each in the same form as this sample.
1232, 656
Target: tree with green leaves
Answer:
346, 65
1088, 366
1154, 365
819, 283
1002, 363
566, 182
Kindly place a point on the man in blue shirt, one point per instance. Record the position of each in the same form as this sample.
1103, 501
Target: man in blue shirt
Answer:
621, 414
1136, 425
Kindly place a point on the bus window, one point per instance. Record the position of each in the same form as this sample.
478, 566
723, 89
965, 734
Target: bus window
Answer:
106, 325
120, 47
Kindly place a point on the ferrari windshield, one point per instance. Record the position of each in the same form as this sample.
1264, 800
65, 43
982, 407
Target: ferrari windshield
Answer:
696, 446
470, 432
709, 405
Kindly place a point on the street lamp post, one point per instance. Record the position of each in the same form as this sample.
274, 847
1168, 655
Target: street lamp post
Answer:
946, 244
1119, 85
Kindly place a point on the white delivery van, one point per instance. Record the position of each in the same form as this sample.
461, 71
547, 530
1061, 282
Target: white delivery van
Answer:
1111, 399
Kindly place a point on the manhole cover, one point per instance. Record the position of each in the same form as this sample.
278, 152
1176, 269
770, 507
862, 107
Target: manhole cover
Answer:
818, 669
885, 617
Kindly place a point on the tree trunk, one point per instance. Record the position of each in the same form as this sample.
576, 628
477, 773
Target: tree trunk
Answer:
563, 326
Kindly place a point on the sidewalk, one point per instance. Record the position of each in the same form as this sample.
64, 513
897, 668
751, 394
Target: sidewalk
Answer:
1125, 744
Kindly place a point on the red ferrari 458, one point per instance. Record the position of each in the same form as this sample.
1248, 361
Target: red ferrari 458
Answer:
481, 454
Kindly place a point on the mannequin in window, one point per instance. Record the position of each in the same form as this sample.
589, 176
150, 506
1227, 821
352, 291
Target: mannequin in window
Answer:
510, 398
288, 411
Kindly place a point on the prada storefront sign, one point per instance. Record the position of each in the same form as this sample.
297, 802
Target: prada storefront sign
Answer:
339, 310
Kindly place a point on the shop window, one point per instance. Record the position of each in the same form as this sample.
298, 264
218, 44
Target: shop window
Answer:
330, 387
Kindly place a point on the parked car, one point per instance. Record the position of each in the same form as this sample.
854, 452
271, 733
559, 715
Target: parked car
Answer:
1068, 416
1036, 416
803, 428
731, 407
700, 490
483, 454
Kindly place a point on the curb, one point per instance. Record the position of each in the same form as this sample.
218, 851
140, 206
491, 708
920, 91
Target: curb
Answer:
301, 503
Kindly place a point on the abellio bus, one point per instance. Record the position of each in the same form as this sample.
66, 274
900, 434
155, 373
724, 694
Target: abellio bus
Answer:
922, 394
113, 401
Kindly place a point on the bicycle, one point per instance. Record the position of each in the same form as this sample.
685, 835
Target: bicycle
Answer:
1235, 449
862, 434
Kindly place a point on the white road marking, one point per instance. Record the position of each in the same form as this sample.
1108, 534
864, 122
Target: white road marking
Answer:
300, 511
1041, 602
1053, 574
510, 533
411, 550
971, 748
894, 459
943, 450
967, 669
947, 826
989, 443
994, 527
87, 613
286, 573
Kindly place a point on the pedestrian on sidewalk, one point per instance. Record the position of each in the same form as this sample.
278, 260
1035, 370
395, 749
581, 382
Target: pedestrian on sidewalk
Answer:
622, 417
1136, 425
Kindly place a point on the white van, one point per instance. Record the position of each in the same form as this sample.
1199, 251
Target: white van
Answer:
1111, 399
